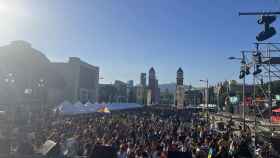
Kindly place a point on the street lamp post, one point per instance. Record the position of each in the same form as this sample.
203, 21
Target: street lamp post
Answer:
206, 98
243, 66
218, 98
243, 91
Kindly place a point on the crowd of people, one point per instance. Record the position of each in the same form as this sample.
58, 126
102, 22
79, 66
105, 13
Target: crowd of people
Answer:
143, 133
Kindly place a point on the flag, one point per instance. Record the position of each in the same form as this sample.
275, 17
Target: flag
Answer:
210, 153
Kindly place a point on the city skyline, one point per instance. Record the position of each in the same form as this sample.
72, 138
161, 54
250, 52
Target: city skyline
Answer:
132, 36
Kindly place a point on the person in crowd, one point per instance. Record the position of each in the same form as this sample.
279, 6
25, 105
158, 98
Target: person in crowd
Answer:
144, 133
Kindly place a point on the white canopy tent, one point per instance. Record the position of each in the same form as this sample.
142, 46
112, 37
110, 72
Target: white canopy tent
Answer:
79, 108
66, 108
89, 107
208, 106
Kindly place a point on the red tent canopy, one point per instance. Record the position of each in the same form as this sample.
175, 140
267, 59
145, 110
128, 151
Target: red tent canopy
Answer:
276, 118
276, 110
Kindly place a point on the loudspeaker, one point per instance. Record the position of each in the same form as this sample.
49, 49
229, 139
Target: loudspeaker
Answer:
100, 151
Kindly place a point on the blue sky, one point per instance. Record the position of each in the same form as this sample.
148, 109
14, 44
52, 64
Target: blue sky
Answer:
127, 37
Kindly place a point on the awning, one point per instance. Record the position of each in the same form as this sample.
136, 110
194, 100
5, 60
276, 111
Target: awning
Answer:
276, 110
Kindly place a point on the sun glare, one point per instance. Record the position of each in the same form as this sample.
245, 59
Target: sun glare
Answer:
11, 9
6, 9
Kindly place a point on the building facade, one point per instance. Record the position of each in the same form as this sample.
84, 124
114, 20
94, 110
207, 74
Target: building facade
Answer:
153, 87
166, 97
131, 92
107, 93
180, 90
34, 80
82, 80
130, 84
141, 90
193, 97
149, 97
120, 92
27, 77
121, 88
140, 94
143, 80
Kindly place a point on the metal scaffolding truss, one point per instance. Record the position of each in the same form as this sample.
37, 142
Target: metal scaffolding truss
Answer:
266, 66
266, 60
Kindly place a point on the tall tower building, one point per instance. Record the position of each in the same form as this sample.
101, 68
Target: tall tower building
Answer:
152, 78
180, 90
153, 87
143, 79
180, 77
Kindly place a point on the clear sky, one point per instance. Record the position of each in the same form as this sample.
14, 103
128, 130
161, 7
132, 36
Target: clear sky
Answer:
127, 37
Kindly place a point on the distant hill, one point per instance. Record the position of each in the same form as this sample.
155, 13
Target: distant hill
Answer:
171, 87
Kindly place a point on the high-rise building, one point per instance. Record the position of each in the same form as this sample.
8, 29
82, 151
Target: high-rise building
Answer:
149, 97
140, 94
143, 79
130, 84
180, 90
180, 77
153, 87
141, 90
131, 92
